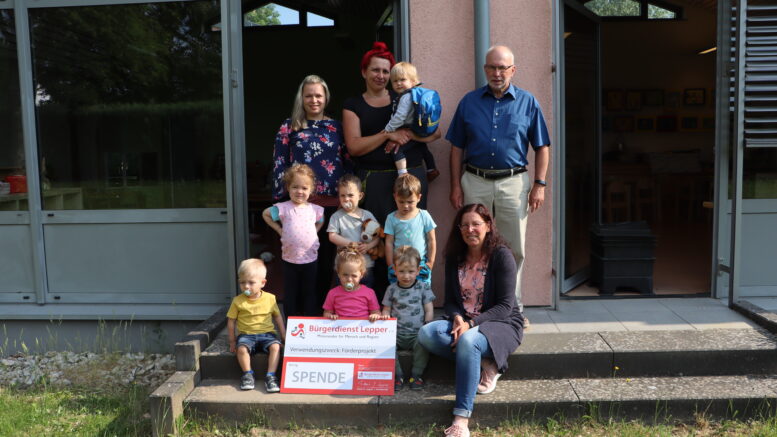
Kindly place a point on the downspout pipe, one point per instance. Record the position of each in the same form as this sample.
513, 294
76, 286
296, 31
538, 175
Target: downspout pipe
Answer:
482, 39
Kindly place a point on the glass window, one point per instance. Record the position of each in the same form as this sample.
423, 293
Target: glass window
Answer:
615, 8
315, 20
13, 192
271, 15
759, 179
129, 106
659, 13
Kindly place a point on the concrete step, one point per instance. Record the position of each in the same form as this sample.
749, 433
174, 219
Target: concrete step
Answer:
647, 398
589, 355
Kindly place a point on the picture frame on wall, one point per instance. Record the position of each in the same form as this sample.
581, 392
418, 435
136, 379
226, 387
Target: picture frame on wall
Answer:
673, 99
624, 123
646, 124
653, 97
633, 100
689, 123
666, 123
614, 100
694, 96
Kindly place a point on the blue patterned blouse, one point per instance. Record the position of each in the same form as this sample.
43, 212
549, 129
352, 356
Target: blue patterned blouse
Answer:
321, 146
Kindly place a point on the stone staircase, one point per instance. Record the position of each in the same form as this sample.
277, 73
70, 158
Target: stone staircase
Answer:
652, 375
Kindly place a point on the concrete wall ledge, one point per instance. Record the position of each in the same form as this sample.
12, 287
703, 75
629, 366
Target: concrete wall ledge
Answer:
166, 402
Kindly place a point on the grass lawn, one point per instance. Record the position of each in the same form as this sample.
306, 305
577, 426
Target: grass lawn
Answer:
123, 411
74, 411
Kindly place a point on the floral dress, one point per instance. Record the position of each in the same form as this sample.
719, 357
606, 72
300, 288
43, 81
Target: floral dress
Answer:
320, 146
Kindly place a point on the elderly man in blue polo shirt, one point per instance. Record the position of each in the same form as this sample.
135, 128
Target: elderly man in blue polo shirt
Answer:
490, 134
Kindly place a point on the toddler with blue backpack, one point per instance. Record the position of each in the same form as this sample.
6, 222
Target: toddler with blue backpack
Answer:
417, 108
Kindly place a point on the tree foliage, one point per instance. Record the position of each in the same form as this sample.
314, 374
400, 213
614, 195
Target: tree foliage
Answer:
626, 8
267, 15
151, 53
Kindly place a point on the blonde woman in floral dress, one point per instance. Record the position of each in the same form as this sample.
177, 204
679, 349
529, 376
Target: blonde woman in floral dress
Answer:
310, 137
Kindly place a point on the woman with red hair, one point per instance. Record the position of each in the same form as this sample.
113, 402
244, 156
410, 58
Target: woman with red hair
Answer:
364, 118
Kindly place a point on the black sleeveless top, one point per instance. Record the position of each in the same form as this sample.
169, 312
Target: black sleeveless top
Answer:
373, 120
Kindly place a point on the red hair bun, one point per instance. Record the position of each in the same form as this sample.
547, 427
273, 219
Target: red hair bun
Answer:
380, 50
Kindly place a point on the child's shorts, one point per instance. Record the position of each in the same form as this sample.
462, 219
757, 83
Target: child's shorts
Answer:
424, 275
257, 342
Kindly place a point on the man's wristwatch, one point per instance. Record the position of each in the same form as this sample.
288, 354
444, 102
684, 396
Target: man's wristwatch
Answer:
541, 182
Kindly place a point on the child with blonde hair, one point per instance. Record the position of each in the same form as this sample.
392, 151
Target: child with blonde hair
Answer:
345, 225
410, 301
410, 226
297, 222
351, 298
404, 78
253, 313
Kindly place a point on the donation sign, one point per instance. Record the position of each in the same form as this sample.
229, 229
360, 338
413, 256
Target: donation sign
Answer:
344, 356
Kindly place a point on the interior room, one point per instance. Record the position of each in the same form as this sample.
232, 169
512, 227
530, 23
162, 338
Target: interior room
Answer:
657, 135
283, 42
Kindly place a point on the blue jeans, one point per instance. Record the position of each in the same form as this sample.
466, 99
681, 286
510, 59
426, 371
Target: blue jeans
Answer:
257, 342
471, 348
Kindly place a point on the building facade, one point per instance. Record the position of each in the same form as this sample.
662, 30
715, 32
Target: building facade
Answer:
138, 140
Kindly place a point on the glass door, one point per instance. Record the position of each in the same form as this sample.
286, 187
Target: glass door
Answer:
581, 127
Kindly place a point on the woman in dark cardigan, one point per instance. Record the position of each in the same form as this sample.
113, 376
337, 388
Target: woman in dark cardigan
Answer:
483, 326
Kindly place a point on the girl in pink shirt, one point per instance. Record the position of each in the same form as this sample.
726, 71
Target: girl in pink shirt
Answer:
351, 299
297, 222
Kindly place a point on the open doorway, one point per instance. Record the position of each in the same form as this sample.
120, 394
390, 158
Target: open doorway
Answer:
652, 157
284, 41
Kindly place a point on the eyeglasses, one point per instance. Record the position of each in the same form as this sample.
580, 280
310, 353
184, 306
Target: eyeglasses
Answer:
475, 225
501, 68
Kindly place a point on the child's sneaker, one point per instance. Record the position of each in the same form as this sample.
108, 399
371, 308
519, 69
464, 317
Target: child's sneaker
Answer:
247, 381
416, 383
271, 384
432, 174
398, 383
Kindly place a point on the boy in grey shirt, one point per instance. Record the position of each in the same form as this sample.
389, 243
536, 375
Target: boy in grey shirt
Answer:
410, 301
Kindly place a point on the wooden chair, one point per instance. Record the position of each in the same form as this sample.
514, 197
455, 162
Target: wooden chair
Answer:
617, 202
647, 201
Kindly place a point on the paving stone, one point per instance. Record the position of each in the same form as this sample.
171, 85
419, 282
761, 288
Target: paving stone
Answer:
225, 399
561, 356
711, 352
512, 400
681, 398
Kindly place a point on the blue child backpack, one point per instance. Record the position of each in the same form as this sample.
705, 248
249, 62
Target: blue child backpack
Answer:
428, 109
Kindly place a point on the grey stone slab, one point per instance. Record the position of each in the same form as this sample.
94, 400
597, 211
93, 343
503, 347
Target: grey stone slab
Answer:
187, 355
767, 303
514, 399
225, 399
633, 305
712, 352
763, 317
581, 307
652, 321
208, 329
562, 356
676, 398
714, 318
695, 302
541, 322
586, 322
166, 402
